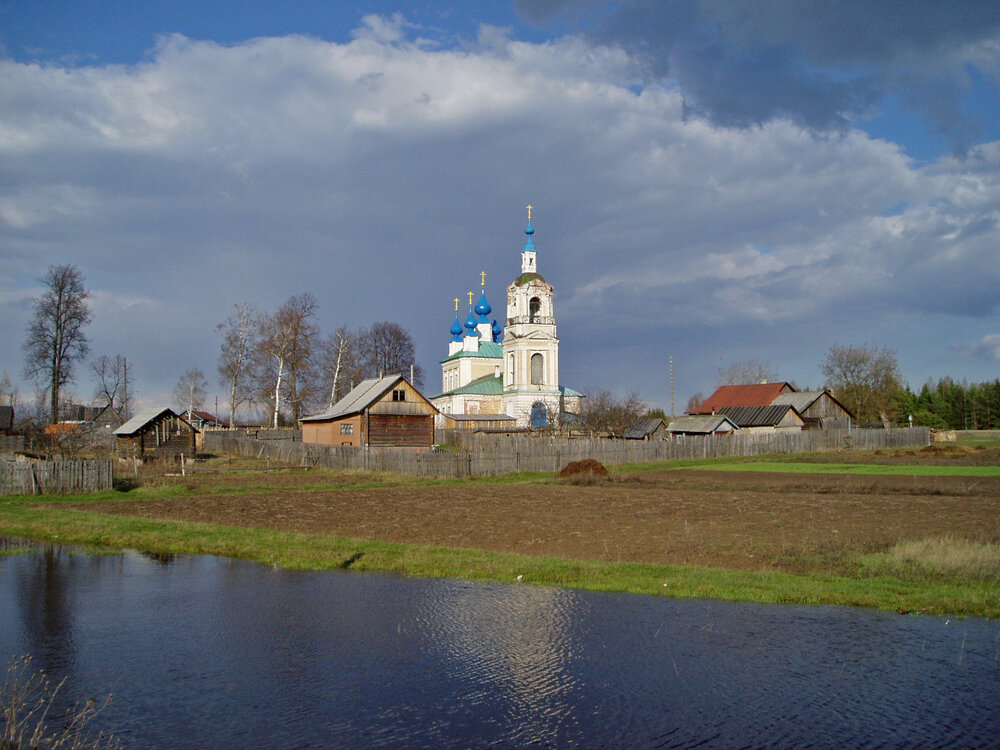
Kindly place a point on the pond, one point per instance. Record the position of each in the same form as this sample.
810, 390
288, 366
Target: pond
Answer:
207, 652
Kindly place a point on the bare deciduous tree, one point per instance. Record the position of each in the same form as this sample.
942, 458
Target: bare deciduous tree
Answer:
239, 338
56, 340
191, 390
387, 349
864, 379
110, 374
695, 401
286, 342
605, 412
339, 362
747, 372
8, 391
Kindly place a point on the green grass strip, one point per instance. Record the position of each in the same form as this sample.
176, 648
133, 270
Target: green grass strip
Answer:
319, 552
921, 470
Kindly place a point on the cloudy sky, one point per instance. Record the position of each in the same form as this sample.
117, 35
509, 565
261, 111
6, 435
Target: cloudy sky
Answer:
712, 180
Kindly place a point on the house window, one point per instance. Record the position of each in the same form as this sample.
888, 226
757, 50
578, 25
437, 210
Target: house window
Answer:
346, 429
537, 369
399, 395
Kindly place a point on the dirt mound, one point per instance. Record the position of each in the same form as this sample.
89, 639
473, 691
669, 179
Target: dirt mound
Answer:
587, 466
947, 448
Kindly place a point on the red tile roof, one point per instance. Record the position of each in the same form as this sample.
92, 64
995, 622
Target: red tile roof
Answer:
758, 394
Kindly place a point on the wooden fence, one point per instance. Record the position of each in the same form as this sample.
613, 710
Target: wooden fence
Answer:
11, 443
53, 477
486, 455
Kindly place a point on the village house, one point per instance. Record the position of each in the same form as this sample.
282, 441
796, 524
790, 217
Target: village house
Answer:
651, 428
815, 409
156, 433
707, 424
385, 411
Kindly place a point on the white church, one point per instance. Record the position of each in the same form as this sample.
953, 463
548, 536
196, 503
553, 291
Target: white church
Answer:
499, 377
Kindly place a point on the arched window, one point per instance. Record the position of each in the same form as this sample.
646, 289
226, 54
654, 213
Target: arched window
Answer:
510, 370
539, 415
537, 369
533, 307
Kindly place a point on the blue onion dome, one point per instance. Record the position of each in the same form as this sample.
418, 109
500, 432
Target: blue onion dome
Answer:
497, 332
529, 230
456, 329
483, 309
470, 323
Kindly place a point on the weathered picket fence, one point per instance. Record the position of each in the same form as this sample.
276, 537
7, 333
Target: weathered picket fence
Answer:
488, 455
55, 477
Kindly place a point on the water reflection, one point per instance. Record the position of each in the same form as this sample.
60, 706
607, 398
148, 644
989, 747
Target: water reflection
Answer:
207, 652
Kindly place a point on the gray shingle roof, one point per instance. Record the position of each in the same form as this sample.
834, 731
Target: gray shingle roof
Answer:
643, 427
363, 395
801, 400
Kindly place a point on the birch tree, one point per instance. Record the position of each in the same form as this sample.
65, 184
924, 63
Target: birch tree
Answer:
56, 341
239, 339
339, 363
286, 341
191, 390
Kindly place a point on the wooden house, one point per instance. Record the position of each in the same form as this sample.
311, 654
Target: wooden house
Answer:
653, 428
6, 420
155, 433
755, 394
817, 408
386, 411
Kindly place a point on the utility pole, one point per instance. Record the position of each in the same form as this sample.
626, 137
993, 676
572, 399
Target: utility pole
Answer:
124, 414
671, 386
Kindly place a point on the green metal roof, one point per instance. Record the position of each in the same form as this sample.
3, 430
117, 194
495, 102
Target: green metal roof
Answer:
524, 278
487, 350
488, 385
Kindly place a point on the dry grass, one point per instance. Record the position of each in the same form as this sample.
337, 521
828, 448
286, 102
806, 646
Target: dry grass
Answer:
948, 555
26, 698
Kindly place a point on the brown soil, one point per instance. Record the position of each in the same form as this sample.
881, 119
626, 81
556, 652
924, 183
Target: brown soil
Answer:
728, 519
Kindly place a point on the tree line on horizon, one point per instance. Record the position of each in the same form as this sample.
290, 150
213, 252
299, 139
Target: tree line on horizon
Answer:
281, 365
278, 363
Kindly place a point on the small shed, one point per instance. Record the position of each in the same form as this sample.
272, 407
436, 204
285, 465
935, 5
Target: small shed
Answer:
6, 419
653, 428
709, 424
156, 432
387, 411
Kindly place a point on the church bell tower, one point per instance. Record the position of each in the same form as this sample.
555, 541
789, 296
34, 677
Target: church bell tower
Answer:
531, 391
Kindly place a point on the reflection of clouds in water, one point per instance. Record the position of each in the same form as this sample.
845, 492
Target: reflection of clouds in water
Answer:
515, 640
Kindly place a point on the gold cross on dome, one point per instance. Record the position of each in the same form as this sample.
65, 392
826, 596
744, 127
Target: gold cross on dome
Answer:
529, 212
483, 275
470, 299
456, 304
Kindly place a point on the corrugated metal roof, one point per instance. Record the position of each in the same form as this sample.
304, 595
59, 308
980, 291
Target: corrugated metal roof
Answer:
757, 416
757, 394
703, 424
363, 395
143, 418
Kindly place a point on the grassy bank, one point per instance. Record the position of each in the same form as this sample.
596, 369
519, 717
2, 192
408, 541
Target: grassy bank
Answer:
944, 576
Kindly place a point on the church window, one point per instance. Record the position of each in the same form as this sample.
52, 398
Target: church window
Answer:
510, 370
539, 415
537, 369
533, 307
